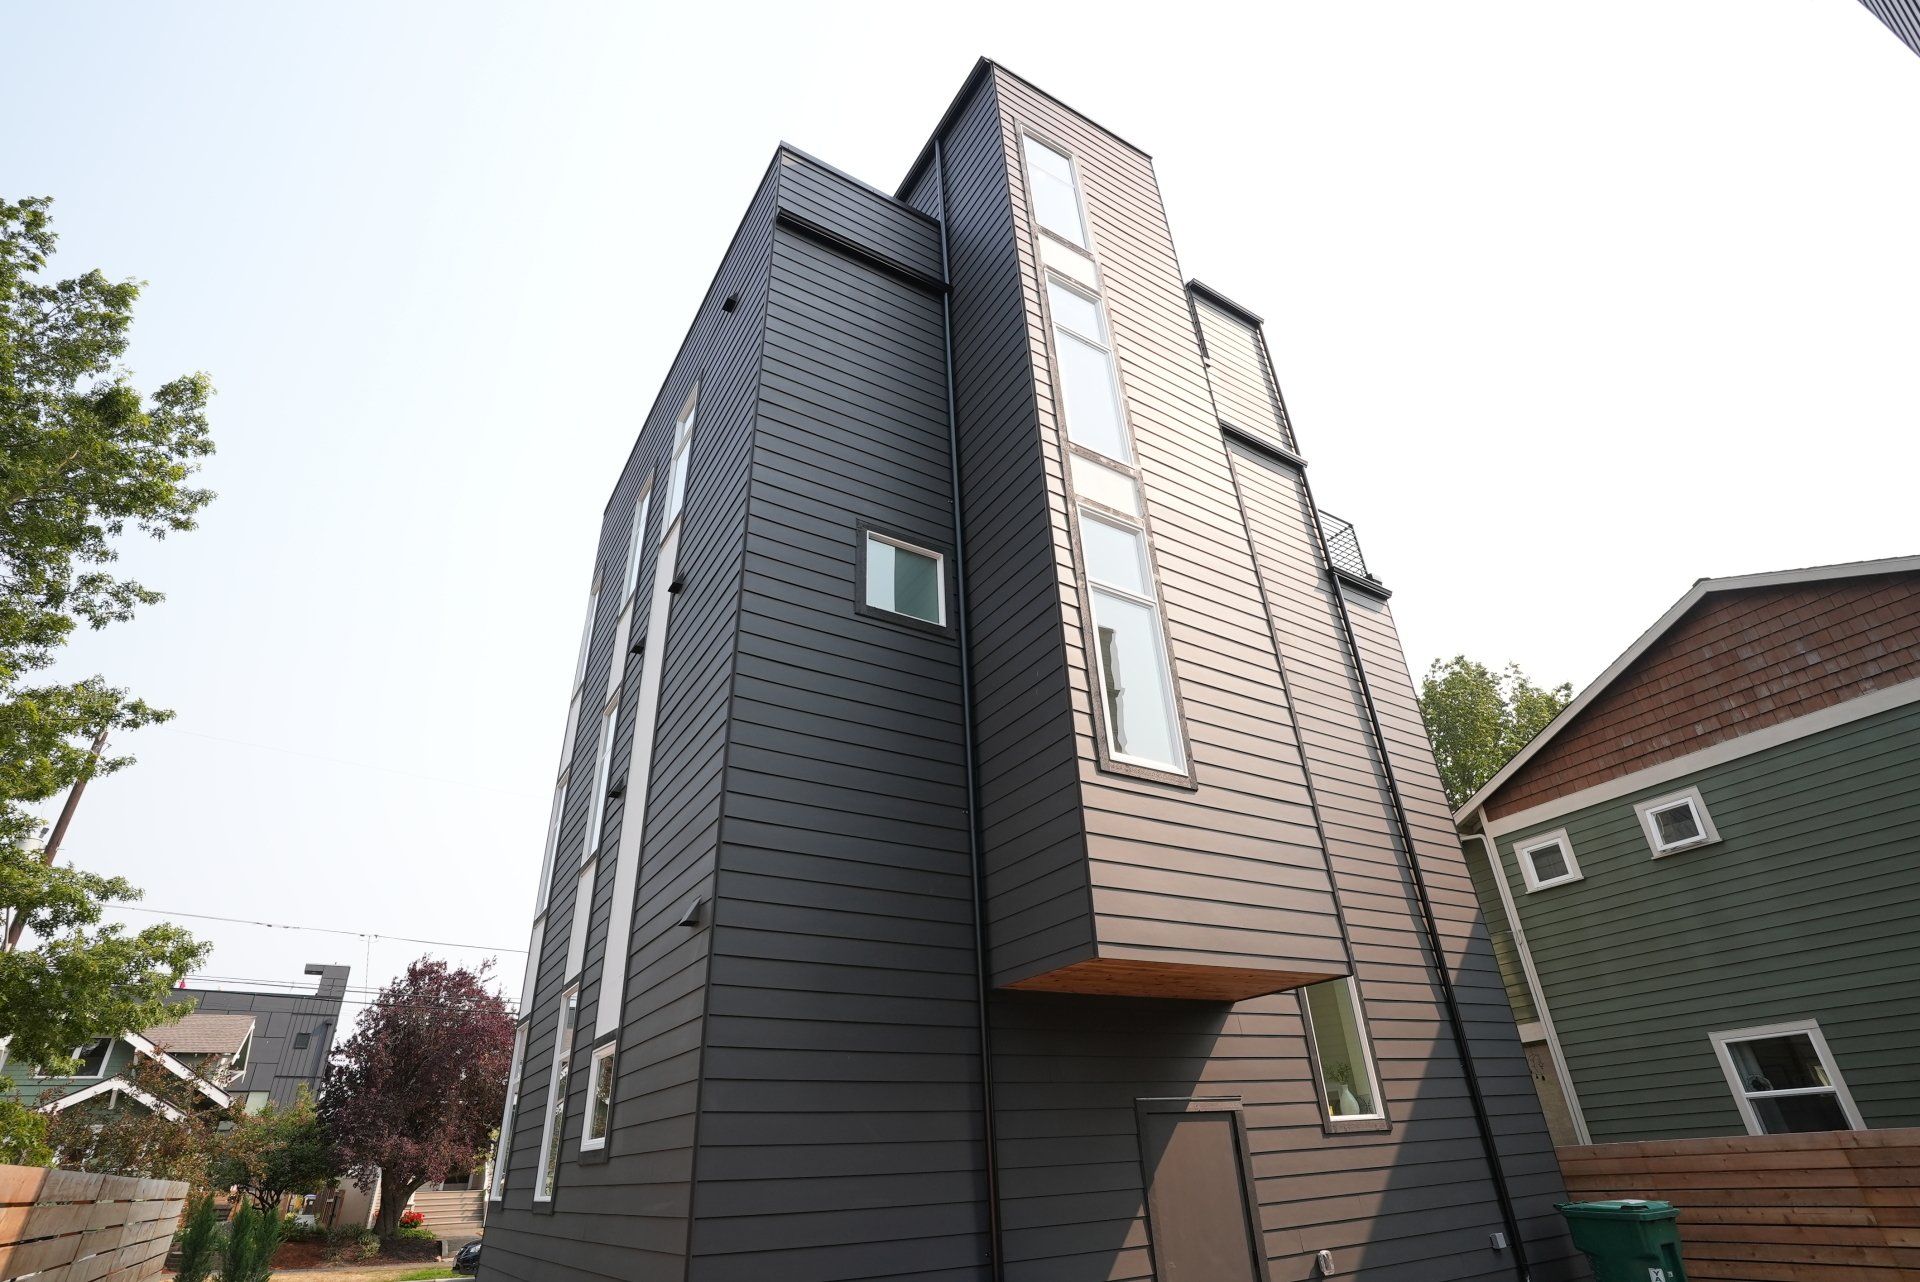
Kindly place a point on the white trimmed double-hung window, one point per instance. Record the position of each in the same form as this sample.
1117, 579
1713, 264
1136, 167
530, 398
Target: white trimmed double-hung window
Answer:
1784, 1079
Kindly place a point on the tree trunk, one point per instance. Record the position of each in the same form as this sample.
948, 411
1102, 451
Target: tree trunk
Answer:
393, 1204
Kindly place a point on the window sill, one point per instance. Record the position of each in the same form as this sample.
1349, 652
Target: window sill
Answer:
1356, 1125
1684, 847
1557, 881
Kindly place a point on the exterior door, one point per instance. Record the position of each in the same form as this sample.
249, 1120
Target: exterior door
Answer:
1200, 1204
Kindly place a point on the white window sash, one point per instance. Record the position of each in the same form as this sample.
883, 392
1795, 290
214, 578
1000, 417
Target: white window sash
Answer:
1724, 1042
550, 1126
1523, 854
1648, 812
588, 1140
503, 1150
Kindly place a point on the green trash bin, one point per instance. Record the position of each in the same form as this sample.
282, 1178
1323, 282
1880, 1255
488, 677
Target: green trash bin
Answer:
1629, 1240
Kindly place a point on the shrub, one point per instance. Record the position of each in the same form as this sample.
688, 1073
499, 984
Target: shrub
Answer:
415, 1233
413, 1220
351, 1245
199, 1241
252, 1239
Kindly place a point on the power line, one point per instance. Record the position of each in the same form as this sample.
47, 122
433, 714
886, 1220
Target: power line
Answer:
322, 930
358, 765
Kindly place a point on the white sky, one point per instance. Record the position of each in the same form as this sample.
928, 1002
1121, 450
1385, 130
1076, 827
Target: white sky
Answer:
1573, 304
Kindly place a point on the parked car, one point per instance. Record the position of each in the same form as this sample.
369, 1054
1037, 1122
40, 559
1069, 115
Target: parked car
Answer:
468, 1259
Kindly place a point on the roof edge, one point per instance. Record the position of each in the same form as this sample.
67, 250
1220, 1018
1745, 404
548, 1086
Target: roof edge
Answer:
1692, 597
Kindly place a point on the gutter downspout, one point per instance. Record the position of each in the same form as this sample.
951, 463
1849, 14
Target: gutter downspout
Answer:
976, 857
1431, 927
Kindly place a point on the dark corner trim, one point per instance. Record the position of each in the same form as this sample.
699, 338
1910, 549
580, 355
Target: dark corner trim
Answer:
854, 249
1271, 450
1221, 301
1372, 587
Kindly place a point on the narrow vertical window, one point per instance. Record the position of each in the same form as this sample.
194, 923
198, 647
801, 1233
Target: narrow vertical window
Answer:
602, 770
503, 1151
636, 541
557, 1097
599, 1099
1089, 385
1340, 1051
1136, 686
677, 465
1055, 192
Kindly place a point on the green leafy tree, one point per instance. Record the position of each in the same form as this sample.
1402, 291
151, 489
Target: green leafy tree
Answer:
85, 460
1478, 718
274, 1152
23, 1133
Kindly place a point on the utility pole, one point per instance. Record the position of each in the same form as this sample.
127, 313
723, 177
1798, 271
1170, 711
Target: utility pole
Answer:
19, 923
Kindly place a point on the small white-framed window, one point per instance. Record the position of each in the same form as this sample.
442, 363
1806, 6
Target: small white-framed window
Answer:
602, 772
93, 1061
1343, 1062
1675, 822
1547, 860
1784, 1079
557, 1097
1055, 191
1089, 381
586, 634
904, 579
599, 1099
677, 465
503, 1151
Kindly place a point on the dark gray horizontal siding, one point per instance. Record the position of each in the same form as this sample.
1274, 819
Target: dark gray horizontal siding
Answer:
840, 1126
875, 222
1033, 843
628, 1214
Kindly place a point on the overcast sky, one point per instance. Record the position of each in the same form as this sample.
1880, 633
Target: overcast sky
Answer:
1572, 305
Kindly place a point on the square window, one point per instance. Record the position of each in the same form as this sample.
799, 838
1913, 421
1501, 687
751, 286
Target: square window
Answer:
1678, 821
1784, 1080
1547, 861
1116, 556
906, 580
599, 1099
1340, 1052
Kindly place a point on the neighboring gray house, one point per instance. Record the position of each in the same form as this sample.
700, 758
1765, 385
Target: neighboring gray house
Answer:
292, 1033
239, 1047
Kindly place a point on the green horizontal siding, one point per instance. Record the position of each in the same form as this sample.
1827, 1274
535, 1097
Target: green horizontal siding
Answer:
1806, 908
1487, 891
18, 1082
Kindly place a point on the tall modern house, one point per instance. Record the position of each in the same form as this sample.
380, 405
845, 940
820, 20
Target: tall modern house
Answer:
994, 837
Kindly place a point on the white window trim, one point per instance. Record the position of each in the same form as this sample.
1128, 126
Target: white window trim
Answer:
1722, 1047
41, 1075
680, 449
1079, 192
636, 545
1689, 796
1523, 855
503, 1151
1178, 765
1379, 1113
562, 1053
589, 1142
602, 773
939, 574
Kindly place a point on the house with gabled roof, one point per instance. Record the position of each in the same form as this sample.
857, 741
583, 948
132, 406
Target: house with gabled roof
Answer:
1702, 878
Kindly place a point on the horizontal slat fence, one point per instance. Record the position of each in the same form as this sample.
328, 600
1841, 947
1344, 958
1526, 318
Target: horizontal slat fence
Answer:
68, 1226
1774, 1208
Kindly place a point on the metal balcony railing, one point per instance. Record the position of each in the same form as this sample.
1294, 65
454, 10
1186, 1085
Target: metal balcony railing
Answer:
1343, 547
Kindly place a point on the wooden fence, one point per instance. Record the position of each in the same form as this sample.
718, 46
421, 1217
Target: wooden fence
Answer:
1774, 1208
68, 1226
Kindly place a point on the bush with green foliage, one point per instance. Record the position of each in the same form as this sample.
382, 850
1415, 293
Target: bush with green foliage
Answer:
252, 1239
199, 1241
23, 1132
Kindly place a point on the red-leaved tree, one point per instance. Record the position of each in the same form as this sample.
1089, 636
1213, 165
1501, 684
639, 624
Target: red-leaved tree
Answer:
419, 1086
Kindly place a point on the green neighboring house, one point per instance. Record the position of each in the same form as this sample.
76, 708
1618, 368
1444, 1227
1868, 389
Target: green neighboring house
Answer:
1703, 877
207, 1051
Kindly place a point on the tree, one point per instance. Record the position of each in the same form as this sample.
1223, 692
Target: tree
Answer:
23, 1134
127, 1137
84, 460
274, 1152
419, 1086
1478, 719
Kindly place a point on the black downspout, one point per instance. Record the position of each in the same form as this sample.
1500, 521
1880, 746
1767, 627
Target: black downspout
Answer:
1431, 925
982, 989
